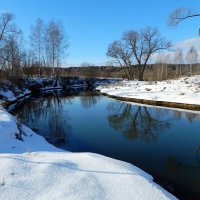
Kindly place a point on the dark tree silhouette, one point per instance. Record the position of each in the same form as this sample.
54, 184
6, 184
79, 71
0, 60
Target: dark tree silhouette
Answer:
137, 47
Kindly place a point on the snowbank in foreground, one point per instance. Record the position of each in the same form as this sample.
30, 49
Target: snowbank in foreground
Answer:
183, 90
31, 168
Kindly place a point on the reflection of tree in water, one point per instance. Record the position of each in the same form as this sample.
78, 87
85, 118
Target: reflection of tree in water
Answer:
190, 116
58, 123
89, 99
137, 121
48, 118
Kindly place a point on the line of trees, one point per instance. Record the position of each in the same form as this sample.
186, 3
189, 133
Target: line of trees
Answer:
182, 64
47, 46
49, 43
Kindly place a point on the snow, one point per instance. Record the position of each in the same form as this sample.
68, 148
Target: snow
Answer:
31, 168
9, 127
8, 95
184, 90
12, 93
51, 88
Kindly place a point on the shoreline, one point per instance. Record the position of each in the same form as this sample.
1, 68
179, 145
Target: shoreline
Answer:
23, 96
8, 103
182, 93
166, 104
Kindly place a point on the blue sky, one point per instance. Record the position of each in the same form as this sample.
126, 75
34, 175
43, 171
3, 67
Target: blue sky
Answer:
92, 24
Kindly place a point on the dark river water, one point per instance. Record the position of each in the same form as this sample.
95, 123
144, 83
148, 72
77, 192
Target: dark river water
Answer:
162, 142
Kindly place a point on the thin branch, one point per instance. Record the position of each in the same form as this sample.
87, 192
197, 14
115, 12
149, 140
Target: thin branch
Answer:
181, 14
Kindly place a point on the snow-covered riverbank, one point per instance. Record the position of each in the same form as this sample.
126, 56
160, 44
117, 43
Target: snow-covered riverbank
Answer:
13, 92
184, 90
30, 168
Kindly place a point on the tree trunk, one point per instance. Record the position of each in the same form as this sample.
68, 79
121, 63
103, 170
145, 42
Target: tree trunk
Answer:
141, 72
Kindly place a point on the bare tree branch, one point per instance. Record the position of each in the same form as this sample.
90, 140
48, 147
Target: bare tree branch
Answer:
181, 14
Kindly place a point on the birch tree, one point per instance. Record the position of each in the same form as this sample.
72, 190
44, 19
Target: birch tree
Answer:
55, 44
178, 60
161, 68
37, 41
192, 58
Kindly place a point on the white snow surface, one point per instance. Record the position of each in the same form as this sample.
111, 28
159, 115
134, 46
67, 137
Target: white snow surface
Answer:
7, 94
34, 169
184, 90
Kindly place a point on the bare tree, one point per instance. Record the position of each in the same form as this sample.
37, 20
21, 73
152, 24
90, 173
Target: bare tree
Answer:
9, 46
37, 41
7, 26
28, 60
192, 58
55, 43
167, 61
181, 14
122, 55
161, 67
137, 47
4, 56
144, 44
178, 60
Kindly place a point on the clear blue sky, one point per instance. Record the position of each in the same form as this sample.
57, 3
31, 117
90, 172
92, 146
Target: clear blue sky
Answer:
92, 24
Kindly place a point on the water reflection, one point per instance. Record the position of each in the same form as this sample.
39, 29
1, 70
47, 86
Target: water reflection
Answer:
47, 117
89, 100
190, 116
137, 122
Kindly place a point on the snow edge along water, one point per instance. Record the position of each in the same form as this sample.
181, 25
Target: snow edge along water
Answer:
183, 93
